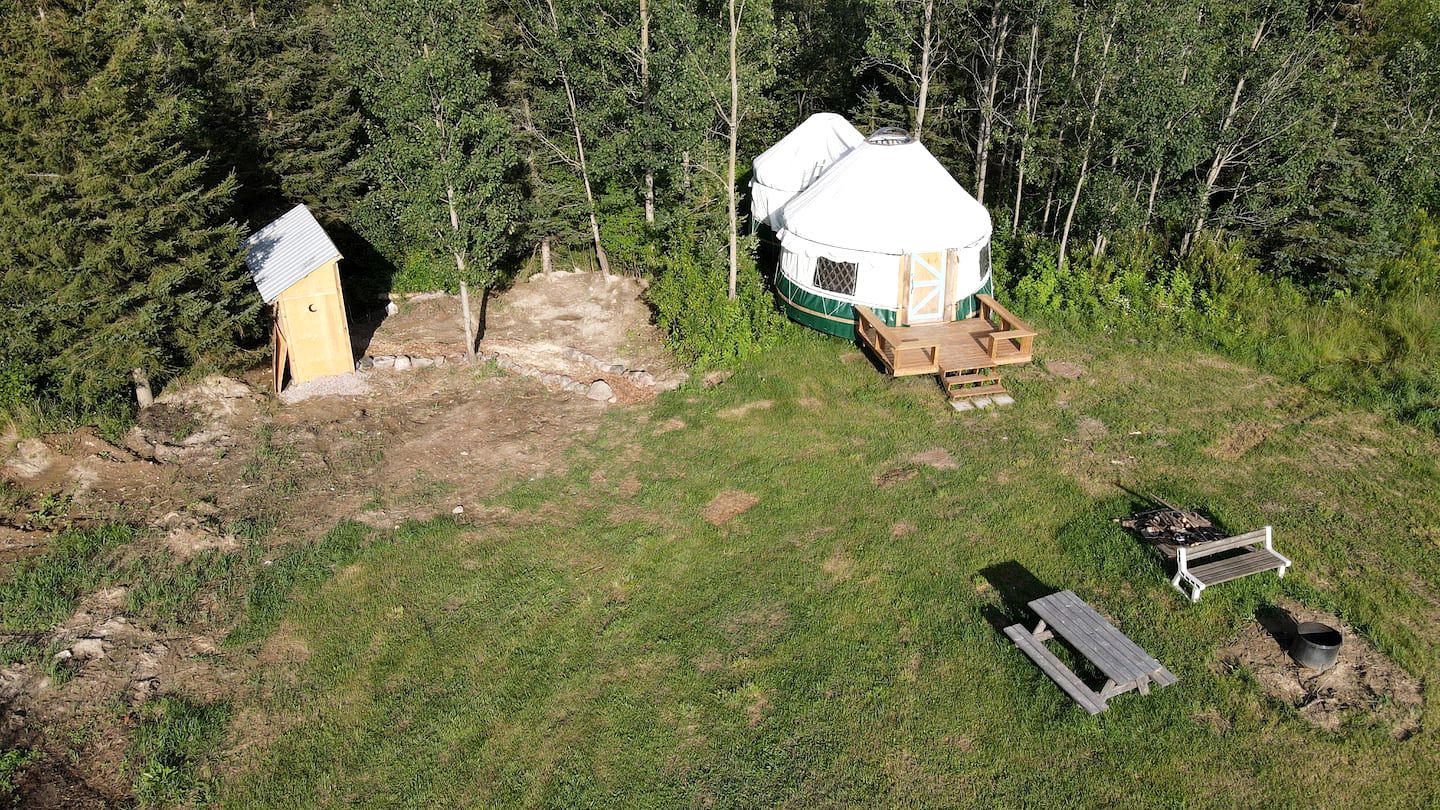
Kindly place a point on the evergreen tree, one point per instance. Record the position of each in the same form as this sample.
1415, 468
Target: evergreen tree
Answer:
115, 255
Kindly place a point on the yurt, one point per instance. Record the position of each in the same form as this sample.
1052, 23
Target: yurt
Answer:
297, 271
785, 169
887, 227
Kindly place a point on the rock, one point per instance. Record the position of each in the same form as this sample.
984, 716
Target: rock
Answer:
715, 378
439, 359
1004, 399
383, 361
365, 364
962, 405
640, 377
402, 363
458, 510
982, 402
63, 655
575, 386
88, 648
616, 368
392, 308
32, 457
600, 391
421, 362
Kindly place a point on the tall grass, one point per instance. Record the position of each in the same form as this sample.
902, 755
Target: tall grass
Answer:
1374, 343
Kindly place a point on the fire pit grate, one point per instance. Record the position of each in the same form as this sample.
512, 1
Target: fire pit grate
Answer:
1170, 525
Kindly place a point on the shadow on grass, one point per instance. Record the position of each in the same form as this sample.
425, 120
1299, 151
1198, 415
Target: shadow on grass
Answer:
1017, 587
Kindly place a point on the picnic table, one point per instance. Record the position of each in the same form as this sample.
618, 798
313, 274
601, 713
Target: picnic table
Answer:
1123, 663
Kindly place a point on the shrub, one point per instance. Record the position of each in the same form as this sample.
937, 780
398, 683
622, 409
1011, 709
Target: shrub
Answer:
701, 323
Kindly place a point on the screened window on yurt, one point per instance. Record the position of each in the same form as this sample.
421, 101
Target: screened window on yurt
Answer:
836, 276
985, 261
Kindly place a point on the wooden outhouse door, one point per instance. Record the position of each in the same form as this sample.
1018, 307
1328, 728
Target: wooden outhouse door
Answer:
311, 320
927, 287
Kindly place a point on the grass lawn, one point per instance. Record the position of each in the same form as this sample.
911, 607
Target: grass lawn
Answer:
592, 639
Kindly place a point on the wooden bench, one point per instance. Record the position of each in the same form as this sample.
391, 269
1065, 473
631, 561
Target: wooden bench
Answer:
1123, 663
904, 354
1008, 329
1256, 554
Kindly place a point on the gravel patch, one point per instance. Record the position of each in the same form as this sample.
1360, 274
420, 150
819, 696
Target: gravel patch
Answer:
340, 385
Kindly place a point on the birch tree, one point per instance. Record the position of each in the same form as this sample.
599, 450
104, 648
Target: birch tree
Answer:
440, 161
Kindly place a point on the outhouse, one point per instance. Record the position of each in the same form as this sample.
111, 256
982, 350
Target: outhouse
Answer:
297, 271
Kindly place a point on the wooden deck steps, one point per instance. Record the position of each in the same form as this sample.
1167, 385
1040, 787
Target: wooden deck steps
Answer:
964, 355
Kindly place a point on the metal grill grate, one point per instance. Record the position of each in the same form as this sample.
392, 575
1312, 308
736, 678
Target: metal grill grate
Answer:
836, 276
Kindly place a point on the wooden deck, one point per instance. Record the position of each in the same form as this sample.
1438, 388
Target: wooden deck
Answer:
963, 355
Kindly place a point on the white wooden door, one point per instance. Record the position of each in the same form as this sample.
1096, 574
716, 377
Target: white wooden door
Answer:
927, 287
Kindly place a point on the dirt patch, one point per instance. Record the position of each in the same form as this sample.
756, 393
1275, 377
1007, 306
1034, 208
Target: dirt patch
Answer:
902, 528
669, 425
217, 454
542, 324
741, 411
1364, 688
1239, 440
727, 506
1088, 429
937, 457
757, 708
838, 566
1064, 370
894, 475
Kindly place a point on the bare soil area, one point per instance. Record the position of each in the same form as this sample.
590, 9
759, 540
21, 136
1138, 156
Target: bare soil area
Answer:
1364, 687
218, 457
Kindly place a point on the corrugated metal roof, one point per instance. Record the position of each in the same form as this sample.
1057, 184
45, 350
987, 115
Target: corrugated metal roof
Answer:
286, 250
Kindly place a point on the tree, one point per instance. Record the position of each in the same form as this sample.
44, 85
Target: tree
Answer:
116, 254
440, 162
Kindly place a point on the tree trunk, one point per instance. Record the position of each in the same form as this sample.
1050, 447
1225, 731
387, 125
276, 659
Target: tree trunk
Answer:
600, 257
734, 147
1032, 102
547, 265
460, 267
1223, 152
143, 397
923, 96
465, 313
645, 94
998, 33
1089, 145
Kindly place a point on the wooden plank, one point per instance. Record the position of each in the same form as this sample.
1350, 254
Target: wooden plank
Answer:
1216, 546
1254, 562
1055, 669
1120, 658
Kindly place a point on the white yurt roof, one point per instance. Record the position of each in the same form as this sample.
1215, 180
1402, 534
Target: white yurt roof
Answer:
887, 195
798, 158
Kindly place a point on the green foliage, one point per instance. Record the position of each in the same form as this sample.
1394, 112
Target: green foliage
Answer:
12, 762
1377, 345
168, 596
168, 748
701, 323
43, 591
440, 161
297, 568
116, 253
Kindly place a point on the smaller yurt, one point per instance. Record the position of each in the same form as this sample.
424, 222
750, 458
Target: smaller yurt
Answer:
886, 227
297, 271
793, 163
